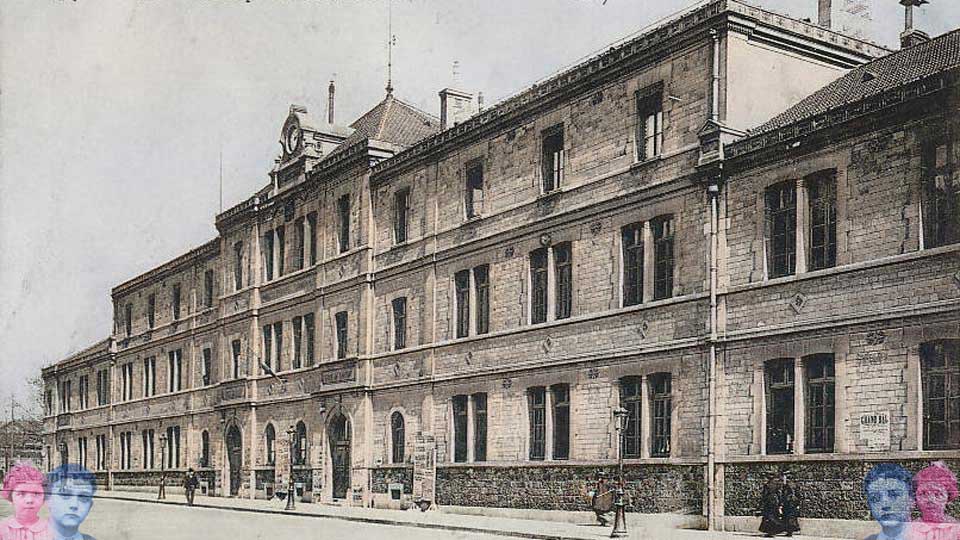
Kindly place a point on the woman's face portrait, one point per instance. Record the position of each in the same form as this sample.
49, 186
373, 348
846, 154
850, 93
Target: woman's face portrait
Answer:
931, 498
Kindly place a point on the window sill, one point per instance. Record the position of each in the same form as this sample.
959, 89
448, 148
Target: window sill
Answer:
646, 162
473, 219
544, 196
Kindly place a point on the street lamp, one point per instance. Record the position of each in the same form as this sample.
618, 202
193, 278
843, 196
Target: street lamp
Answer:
620, 519
162, 494
291, 490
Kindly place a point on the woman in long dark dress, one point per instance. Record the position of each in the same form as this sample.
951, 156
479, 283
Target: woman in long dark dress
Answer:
771, 523
789, 505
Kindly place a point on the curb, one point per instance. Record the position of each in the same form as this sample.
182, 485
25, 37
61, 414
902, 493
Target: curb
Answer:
370, 520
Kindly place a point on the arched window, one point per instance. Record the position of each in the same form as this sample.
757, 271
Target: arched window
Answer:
396, 430
271, 437
204, 449
300, 445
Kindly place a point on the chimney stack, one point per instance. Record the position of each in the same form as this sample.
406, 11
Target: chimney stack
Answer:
331, 89
455, 107
911, 36
825, 14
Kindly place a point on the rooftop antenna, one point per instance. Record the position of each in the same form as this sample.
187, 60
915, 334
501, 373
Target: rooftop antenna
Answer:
391, 41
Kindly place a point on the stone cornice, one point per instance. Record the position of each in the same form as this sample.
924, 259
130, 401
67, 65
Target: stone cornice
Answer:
207, 250
96, 352
843, 114
690, 27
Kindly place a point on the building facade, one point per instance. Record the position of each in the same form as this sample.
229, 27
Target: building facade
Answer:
413, 309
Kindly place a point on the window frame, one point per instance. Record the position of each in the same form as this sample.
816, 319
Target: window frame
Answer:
785, 367
664, 256
632, 253
397, 437
473, 184
459, 410
539, 285
560, 413
399, 305
461, 284
649, 108
938, 203
552, 157
401, 211
632, 401
819, 372
482, 293
563, 280
343, 223
822, 229
176, 301
946, 354
479, 426
341, 325
780, 225
537, 407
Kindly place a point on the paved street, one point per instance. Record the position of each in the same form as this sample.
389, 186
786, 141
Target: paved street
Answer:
122, 519
112, 519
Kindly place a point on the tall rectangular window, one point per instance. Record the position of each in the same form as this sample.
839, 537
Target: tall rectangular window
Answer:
268, 255
459, 429
662, 257
300, 239
552, 158
84, 388
126, 382
399, 323
343, 213
779, 380
781, 225
103, 387
341, 326
126, 449
312, 239
175, 370
278, 345
649, 123
151, 311
268, 346
281, 250
297, 342
101, 452
473, 191
208, 288
310, 329
480, 427
235, 350
147, 449
631, 399
823, 221
561, 420
941, 195
401, 206
176, 302
481, 281
661, 408
462, 284
238, 266
538, 286
207, 366
149, 376
820, 418
128, 319
563, 270
537, 400
940, 369
173, 447
82, 451
632, 242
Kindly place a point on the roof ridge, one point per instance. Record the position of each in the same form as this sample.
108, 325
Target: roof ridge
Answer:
416, 109
387, 101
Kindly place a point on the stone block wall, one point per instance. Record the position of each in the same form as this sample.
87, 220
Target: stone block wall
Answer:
826, 489
652, 488
382, 477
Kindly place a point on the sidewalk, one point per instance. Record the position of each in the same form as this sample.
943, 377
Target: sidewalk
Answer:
438, 519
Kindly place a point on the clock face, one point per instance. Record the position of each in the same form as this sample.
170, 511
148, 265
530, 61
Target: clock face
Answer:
292, 139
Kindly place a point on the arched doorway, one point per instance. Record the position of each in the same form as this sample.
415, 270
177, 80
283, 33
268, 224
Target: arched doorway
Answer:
234, 458
339, 436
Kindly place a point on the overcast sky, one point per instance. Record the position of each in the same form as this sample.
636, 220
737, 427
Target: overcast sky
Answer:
113, 114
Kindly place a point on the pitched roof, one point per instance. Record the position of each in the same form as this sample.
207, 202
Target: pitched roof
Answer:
395, 122
883, 74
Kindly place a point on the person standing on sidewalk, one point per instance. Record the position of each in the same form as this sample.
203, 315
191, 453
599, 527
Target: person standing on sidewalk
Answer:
190, 485
789, 505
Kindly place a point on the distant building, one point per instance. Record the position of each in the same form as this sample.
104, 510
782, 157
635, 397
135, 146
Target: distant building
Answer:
739, 227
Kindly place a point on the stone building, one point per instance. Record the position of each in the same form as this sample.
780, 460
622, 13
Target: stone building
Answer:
740, 227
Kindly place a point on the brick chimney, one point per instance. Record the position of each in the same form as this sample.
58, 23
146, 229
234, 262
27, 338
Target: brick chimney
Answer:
825, 13
455, 107
331, 91
911, 36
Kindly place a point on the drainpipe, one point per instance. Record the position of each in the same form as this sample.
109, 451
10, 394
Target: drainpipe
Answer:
713, 190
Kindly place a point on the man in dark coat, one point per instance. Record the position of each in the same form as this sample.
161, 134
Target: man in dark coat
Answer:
789, 505
190, 485
601, 499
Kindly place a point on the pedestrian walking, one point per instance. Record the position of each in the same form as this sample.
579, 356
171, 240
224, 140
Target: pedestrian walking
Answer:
789, 505
190, 485
601, 499
771, 522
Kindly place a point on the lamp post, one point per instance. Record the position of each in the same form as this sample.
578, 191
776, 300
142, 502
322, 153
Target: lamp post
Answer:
620, 519
291, 490
162, 494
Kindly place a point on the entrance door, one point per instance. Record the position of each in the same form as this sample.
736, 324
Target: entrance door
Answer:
340, 450
234, 458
